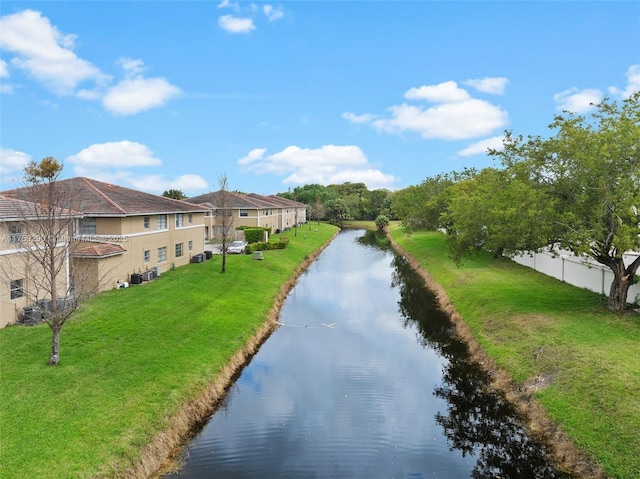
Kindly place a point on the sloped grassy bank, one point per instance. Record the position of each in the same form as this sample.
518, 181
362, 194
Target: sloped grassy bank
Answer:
571, 366
139, 366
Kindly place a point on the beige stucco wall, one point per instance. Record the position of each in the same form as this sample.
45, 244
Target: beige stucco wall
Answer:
136, 239
274, 218
14, 266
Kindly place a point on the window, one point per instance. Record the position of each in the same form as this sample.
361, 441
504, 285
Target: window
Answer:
179, 250
17, 288
162, 254
244, 213
162, 222
190, 218
147, 256
88, 226
179, 220
190, 245
15, 233
146, 220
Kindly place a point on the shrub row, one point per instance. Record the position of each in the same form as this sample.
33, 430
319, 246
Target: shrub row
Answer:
267, 245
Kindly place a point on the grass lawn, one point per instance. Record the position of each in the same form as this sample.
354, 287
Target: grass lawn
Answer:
534, 325
129, 359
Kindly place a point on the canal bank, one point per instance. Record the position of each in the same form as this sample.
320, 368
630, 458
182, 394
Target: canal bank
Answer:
156, 457
366, 378
566, 455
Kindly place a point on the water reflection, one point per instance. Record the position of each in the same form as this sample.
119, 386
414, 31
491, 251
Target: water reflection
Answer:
365, 398
478, 422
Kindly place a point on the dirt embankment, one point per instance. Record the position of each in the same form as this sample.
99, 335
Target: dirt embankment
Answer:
566, 456
156, 456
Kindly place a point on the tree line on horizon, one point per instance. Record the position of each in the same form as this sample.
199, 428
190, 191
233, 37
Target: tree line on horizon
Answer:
577, 190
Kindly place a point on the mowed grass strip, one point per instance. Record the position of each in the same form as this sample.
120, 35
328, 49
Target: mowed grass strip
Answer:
129, 359
534, 325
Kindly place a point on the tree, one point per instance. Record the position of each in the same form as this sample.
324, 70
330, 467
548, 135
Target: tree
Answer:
42, 238
421, 206
377, 202
495, 211
381, 224
224, 213
338, 212
175, 194
589, 172
316, 209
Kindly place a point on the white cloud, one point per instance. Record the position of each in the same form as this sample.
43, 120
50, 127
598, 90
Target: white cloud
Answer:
132, 67
44, 53
364, 118
47, 55
115, 154
577, 101
481, 147
456, 115
447, 92
158, 184
133, 95
12, 162
463, 120
227, 4
493, 85
236, 24
254, 155
633, 83
329, 164
4, 73
272, 12
113, 163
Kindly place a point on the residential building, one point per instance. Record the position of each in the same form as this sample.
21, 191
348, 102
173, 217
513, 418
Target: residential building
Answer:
273, 212
125, 232
21, 277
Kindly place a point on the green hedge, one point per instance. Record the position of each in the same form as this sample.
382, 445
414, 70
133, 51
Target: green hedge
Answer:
254, 234
267, 245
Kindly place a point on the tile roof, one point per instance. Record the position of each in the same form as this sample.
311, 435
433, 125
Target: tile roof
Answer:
99, 250
239, 200
12, 209
95, 198
279, 201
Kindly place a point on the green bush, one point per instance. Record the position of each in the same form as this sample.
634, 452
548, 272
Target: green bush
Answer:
254, 235
267, 245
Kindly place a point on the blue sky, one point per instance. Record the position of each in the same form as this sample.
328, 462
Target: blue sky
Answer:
155, 95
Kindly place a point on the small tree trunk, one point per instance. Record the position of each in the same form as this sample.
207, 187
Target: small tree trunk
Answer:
55, 346
618, 294
619, 286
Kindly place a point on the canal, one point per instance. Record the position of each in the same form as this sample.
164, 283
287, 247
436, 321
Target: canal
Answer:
365, 378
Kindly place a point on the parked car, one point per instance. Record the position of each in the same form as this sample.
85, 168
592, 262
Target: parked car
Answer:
236, 247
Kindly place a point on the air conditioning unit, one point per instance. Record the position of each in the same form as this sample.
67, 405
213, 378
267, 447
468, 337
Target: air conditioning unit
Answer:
31, 315
147, 276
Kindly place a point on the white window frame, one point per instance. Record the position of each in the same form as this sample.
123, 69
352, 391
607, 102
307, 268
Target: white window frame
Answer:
179, 220
162, 222
162, 254
179, 250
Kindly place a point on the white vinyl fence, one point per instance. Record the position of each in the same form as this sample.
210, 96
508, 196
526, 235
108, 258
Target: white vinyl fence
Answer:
581, 272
